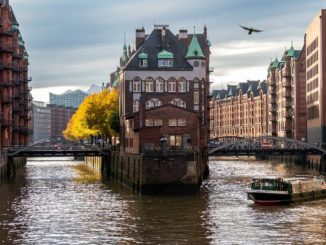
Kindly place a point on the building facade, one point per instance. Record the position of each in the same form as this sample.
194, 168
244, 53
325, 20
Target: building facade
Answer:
164, 88
164, 114
286, 82
15, 93
315, 40
60, 116
239, 110
41, 122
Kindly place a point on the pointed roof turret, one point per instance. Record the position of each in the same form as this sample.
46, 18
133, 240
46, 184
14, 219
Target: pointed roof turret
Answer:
291, 52
275, 63
194, 49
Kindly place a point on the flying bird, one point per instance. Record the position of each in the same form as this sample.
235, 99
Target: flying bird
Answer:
250, 30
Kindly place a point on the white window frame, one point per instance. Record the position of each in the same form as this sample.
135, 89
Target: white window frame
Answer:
149, 85
182, 85
135, 107
136, 85
172, 85
159, 86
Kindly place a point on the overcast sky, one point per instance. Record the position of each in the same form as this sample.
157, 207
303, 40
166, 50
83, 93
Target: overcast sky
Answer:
74, 43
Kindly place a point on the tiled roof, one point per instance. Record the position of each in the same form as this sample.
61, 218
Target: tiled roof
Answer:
246, 87
154, 44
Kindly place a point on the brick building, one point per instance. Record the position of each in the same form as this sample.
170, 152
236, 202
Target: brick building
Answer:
239, 110
286, 83
163, 107
315, 40
163, 91
60, 116
15, 93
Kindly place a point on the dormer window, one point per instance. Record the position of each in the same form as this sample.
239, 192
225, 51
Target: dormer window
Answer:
143, 60
165, 59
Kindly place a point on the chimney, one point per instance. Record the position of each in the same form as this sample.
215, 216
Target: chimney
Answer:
140, 37
183, 36
4, 2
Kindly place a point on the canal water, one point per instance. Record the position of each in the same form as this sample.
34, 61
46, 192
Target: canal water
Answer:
63, 202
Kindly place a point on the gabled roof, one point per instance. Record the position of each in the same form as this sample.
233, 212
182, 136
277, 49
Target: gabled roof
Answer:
263, 87
194, 49
154, 44
221, 94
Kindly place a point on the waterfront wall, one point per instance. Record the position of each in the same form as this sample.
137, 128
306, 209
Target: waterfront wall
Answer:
314, 162
153, 173
10, 167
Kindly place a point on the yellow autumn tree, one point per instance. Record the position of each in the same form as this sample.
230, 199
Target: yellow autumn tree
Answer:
98, 115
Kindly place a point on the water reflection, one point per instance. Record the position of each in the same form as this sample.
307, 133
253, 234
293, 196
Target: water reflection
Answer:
64, 202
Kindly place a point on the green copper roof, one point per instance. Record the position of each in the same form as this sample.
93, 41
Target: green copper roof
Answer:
275, 63
14, 27
194, 49
164, 55
291, 52
143, 55
25, 55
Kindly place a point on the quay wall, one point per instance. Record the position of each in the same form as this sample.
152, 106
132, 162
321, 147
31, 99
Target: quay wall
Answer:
313, 162
10, 167
152, 173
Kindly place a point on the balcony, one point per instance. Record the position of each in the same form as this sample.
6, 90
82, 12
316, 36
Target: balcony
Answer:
272, 108
287, 114
5, 32
6, 99
6, 122
7, 83
287, 93
286, 83
287, 103
18, 56
271, 82
272, 90
272, 117
288, 126
211, 69
6, 48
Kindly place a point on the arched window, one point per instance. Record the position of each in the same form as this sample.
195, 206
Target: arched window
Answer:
136, 85
179, 102
159, 85
153, 103
149, 85
135, 106
182, 85
172, 85
149, 104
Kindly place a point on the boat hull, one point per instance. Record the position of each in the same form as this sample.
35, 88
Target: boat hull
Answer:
269, 198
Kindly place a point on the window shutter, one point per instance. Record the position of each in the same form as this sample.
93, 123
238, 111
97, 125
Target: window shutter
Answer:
188, 86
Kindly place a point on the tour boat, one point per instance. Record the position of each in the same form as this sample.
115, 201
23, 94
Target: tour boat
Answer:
276, 191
